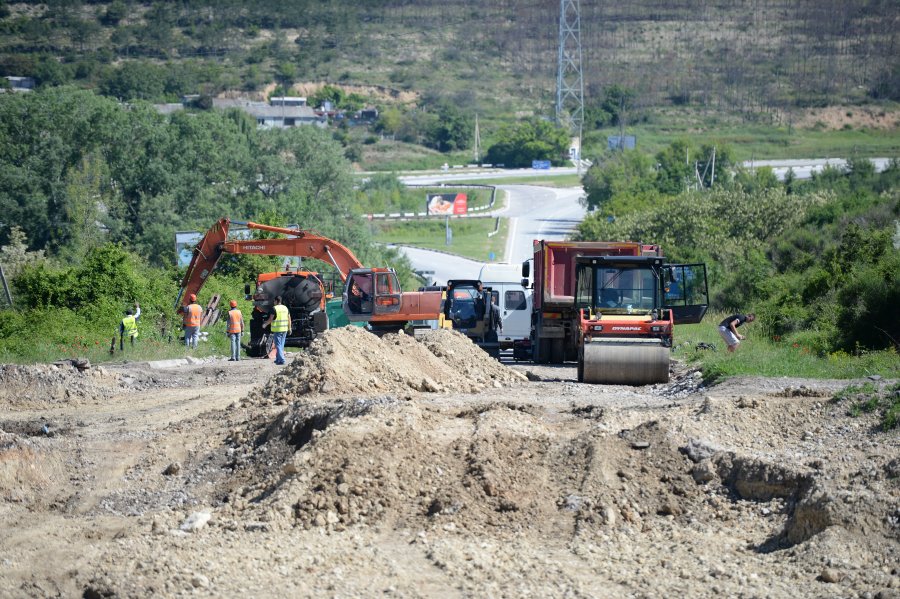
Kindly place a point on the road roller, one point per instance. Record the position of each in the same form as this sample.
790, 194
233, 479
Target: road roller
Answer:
612, 307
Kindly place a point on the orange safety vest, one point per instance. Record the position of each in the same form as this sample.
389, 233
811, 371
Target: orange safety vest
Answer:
192, 315
234, 321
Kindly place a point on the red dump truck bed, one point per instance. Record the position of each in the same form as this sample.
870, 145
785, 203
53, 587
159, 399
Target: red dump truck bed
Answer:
554, 267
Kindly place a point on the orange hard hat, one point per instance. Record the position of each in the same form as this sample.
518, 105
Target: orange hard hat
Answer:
193, 297
233, 304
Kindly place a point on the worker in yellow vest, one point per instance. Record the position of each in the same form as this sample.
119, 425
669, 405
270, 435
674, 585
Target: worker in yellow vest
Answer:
234, 330
128, 326
193, 314
280, 321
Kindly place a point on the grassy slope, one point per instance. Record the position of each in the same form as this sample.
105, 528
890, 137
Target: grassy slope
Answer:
750, 140
470, 236
761, 356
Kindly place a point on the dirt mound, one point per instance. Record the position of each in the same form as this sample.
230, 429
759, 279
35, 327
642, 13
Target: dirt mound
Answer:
487, 467
23, 386
26, 469
353, 361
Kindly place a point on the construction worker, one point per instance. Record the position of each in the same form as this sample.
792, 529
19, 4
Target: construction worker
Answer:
193, 313
280, 322
497, 319
128, 326
234, 330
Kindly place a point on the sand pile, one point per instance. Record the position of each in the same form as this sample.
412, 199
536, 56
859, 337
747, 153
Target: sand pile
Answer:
353, 361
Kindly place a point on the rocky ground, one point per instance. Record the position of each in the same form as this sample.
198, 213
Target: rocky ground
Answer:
424, 468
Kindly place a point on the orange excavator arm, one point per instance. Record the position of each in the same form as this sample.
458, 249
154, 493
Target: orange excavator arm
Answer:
302, 243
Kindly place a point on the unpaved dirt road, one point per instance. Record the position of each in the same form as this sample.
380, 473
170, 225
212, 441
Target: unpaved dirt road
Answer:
417, 469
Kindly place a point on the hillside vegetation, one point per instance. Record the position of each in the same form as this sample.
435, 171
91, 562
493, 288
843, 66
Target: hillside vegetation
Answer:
496, 57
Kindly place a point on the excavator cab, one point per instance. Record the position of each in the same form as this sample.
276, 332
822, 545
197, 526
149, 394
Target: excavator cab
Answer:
370, 292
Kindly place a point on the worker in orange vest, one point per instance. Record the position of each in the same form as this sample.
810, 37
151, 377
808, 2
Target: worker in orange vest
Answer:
234, 330
193, 313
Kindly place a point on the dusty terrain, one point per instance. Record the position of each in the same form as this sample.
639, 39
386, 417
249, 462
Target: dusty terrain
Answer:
413, 469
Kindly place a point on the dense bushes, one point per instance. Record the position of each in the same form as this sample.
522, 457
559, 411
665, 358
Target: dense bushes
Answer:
516, 146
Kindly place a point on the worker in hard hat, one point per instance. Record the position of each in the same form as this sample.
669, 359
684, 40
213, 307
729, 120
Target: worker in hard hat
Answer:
128, 326
234, 330
280, 321
193, 313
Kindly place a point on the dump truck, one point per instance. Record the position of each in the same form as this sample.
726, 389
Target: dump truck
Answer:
370, 295
612, 307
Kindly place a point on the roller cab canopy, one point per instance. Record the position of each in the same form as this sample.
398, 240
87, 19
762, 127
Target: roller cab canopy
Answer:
641, 285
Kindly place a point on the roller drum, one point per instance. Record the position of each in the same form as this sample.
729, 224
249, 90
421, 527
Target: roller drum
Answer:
626, 363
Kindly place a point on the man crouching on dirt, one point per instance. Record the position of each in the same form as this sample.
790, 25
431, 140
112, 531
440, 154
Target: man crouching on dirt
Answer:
728, 329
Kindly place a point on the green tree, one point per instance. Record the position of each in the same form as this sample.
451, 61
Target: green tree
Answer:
115, 12
389, 121
134, 80
328, 93
675, 171
452, 129
617, 102
625, 178
518, 145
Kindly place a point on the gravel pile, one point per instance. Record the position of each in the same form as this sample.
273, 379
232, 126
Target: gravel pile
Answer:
26, 385
353, 361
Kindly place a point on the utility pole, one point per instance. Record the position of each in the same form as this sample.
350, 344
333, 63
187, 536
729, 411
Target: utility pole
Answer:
569, 74
477, 142
5, 286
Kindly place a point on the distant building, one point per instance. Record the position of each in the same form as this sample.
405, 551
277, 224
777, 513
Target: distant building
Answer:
368, 114
287, 101
286, 114
364, 117
21, 84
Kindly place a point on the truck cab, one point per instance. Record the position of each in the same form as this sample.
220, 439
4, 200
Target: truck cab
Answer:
514, 301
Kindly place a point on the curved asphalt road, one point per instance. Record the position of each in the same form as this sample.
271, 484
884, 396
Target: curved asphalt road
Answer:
533, 213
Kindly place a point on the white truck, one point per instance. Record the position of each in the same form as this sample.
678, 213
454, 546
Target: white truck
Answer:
514, 301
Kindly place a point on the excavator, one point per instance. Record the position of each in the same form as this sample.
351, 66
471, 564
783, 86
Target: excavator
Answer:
370, 295
468, 308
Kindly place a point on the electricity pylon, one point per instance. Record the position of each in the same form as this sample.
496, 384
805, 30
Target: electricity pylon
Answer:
569, 75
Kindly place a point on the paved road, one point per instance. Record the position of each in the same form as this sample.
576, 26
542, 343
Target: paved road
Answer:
533, 213
804, 167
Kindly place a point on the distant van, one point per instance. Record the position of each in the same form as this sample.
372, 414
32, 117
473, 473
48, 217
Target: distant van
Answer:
514, 301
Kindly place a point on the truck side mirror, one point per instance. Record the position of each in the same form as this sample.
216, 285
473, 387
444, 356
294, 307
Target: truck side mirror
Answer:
524, 283
526, 270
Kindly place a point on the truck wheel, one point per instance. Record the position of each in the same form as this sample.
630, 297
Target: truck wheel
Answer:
543, 353
557, 351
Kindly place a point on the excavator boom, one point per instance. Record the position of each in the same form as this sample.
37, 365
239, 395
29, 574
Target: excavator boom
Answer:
303, 243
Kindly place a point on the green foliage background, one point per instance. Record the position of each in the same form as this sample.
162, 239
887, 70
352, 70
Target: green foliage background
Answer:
100, 188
